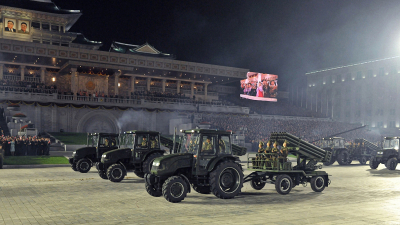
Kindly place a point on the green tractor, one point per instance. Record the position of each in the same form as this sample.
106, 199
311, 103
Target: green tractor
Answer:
204, 159
339, 152
97, 143
137, 152
388, 155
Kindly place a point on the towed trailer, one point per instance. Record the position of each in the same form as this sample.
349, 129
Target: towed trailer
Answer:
271, 168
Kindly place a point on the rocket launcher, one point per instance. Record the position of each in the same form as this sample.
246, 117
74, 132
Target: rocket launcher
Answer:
368, 144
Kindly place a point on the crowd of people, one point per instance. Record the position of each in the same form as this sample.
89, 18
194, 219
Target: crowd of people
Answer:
256, 130
21, 145
27, 86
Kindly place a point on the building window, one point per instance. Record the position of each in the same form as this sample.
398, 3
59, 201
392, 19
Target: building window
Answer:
47, 42
56, 43
359, 75
381, 72
65, 44
45, 26
36, 25
36, 41
369, 74
55, 28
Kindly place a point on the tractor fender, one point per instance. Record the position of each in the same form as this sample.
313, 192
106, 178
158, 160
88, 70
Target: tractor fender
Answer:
213, 162
152, 152
187, 181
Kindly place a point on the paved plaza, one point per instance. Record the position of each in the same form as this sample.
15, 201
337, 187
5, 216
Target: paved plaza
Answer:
57, 195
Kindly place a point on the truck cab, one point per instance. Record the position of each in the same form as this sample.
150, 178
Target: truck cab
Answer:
96, 144
388, 155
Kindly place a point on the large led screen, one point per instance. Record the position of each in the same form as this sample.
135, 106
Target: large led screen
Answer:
260, 87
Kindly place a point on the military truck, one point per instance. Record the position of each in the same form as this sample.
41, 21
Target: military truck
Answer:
275, 168
205, 159
388, 155
361, 150
97, 143
137, 152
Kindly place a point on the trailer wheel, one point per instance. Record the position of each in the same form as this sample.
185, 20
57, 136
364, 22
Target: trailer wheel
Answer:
152, 190
73, 166
83, 165
257, 184
372, 163
174, 189
149, 162
116, 173
226, 180
317, 183
202, 189
343, 157
103, 174
139, 173
391, 164
283, 184
363, 160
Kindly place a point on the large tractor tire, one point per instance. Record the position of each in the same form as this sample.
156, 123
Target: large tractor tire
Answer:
343, 157
283, 184
175, 189
73, 166
373, 164
391, 164
226, 180
103, 174
116, 172
139, 173
83, 165
202, 189
363, 160
257, 184
152, 190
331, 161
149, 162
318, 183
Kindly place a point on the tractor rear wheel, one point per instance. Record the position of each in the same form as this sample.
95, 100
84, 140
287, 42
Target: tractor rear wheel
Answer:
226, 180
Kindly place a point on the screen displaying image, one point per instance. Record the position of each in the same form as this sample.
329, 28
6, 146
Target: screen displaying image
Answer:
260, 87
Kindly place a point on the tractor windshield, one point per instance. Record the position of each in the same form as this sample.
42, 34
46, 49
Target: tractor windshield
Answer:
327, 144
190, 143
391, 143
92, 140
127, 140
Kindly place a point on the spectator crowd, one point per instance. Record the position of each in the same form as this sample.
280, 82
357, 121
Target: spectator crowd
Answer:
21, 146
26, 86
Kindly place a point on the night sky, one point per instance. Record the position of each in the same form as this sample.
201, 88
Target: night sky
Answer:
283, 37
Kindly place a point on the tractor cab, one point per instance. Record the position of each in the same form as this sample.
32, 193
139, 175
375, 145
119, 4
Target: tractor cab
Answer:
333, 143
140, 142
391, 143
103, 142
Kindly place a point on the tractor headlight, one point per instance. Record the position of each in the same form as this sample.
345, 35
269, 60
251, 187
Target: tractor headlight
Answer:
379, 153
104, 156
74, 153
156, 163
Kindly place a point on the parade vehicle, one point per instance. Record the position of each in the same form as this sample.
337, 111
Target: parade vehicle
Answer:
388, 155
204, 159
97, 143
276, 169
137, 152
339, 152
361, 150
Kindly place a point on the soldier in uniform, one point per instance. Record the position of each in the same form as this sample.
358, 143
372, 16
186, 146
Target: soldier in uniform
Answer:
144, 142
267, 155
191, 147
283, 153
153, 142
221, 144
207, 146
274, 155
259, 157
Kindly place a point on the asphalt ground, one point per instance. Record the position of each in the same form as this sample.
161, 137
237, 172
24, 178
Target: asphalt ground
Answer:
58, 195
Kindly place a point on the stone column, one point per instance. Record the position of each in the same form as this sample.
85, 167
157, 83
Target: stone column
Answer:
74, 77
205, 92
116, 80
163, 85
42, 75
192, 89
22, 73
178, 86
1, 71
148, 83
133, 80
106, 89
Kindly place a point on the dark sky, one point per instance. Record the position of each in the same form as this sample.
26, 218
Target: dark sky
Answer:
283, 37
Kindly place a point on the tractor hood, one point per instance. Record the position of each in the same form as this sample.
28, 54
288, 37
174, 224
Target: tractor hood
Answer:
168, 164
115, 155
82, 152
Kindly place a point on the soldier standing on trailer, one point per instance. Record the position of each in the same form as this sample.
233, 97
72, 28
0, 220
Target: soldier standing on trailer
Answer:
257, 161
275, 153
267, 156
283, 153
